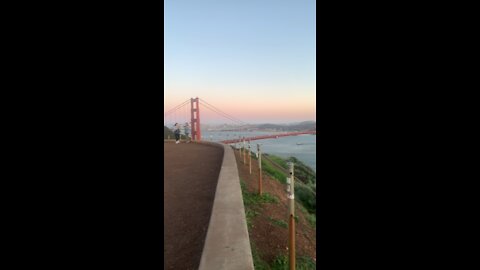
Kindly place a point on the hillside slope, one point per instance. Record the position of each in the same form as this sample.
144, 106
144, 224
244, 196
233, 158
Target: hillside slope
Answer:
167, 132
267, 218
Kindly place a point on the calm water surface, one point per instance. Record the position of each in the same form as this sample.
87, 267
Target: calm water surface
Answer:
302, 147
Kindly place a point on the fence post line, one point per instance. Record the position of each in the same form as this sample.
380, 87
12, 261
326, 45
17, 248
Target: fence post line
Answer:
245, 152
242, 145
259, 170
249, 157
291, 227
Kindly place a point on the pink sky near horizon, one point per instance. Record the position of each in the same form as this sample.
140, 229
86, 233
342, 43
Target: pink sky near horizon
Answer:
297, 107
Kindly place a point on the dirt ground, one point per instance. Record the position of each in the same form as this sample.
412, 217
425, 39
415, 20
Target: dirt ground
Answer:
190, 179
272, 240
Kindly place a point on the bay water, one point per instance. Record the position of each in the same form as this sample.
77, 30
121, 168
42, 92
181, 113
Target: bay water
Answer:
302, 147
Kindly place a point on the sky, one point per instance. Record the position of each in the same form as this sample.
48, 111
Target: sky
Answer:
253, 59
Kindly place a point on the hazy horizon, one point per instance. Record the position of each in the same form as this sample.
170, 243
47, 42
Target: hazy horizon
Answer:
251, 123
279, 122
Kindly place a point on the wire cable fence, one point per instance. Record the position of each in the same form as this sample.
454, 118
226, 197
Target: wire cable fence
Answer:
285, 171
265, 157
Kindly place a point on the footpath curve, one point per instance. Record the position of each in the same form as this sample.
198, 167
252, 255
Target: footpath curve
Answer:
227, 244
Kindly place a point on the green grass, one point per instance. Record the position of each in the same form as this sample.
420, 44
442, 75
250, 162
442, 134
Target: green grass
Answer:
258, 262
280, 161
252, 198
277, 222
276, 174
306, 197
312, 219
268, 198
302, 208
304, 173
250, 214
252, 201
280, 263
301, 263
304, 191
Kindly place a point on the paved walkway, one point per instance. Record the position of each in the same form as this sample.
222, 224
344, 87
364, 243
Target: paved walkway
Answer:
190, 179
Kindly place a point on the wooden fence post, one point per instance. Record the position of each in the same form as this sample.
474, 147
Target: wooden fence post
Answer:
259, 170
291, 227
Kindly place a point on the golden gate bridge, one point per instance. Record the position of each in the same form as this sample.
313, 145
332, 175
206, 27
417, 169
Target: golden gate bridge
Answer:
194, 112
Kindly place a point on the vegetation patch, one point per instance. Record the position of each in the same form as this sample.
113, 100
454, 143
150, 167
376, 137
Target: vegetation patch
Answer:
303, 172
252, 198
250, 214
252, 201
276, 174
280, 161
281, 262
277, 222
258, 263
306, 197
168, 133
301, 263
304, 191
312, 219
305, 263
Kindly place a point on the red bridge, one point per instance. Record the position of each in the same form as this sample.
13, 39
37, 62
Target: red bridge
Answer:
269, 136
182, 114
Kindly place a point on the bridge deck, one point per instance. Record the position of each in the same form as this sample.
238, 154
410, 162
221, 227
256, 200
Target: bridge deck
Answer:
190, 180
269, 136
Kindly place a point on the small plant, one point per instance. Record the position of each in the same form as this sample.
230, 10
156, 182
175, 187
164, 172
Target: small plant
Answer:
312, 219
279, 223
250, 214
305, 263
280, 263
268, 198
252, 198
301, 263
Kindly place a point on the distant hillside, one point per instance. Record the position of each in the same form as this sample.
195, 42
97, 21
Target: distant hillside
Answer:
167, 132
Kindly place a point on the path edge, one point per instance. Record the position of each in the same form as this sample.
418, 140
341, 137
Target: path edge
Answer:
227, 244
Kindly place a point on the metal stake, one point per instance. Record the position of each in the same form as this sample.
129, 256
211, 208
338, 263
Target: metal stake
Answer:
291, 227
244, 154
249, 158
259, 170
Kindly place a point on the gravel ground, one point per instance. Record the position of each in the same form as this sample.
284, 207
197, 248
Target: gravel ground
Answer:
190, 179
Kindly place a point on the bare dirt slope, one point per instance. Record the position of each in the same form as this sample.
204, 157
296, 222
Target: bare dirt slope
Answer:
190, 179
269, 238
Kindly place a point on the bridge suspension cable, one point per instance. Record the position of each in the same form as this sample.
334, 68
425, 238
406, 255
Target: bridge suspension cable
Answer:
218, 111
176, 114
213, 110
177, 107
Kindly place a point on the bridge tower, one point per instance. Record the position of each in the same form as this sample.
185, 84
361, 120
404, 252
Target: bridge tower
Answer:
195, 113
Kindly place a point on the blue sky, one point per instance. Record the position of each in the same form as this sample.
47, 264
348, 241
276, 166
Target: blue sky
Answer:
229, 51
